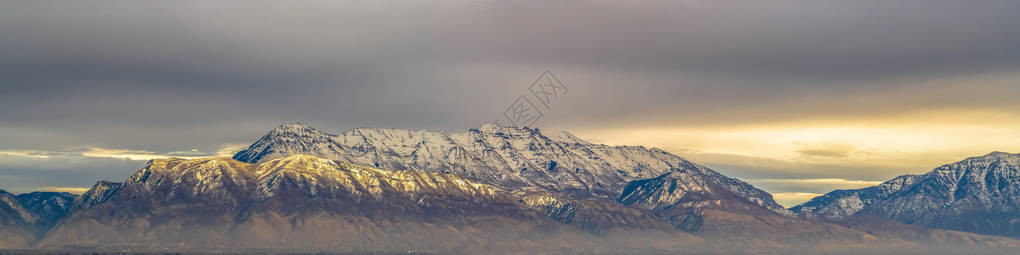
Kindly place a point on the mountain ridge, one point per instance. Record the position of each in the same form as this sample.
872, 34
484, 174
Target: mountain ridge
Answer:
311, 203
978, 194
212, 202
516, 158
25, 217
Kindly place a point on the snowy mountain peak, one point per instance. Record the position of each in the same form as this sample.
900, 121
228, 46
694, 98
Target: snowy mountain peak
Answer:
292, 127
842, 203
565, 137
99, 193
488, 127
292, 130
693, 186
493, 128
977, 194
998, 155
513, 158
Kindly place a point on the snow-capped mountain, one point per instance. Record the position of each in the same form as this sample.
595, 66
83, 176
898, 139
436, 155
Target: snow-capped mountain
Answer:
681, 194
978, 194
842, 203
309, 202
518, 159
99, 192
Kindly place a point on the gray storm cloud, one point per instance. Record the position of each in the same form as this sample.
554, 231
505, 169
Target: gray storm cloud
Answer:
167, 75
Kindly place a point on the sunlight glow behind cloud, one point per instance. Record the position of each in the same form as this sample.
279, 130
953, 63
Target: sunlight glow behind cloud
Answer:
820, 181
127, 154
72, 190
225, 150
790, 199
25, 153
796, 158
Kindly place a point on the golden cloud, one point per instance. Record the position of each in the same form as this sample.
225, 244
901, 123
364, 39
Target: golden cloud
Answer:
26, 153
72, 190
790, 199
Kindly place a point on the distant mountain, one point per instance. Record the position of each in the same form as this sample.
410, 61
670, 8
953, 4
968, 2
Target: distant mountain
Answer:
520, 159
24, 217
978, 194
11, 210
99, 193
308, 202
842, 203
16, 222
691, 198
47, 207
681, 195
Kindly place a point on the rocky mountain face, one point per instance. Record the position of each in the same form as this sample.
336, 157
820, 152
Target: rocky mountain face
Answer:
690, 201
308, 202
680, 196
15, 222
24, 217
842, 203
978, 194
99, 192
11, 210
519, 159
47, 207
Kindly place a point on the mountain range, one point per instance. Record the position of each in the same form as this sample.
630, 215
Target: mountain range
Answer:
978, 194
488, 190
516, 159
306, 202
23, 217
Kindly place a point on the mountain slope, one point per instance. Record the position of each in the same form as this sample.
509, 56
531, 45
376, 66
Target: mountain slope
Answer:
47, 207
689, 202
16, 223
11, 210
681, 195
513, 158
978, 194
842, 203
308, 202
99, 193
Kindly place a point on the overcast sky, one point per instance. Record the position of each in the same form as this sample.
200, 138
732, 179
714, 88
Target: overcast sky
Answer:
796, 97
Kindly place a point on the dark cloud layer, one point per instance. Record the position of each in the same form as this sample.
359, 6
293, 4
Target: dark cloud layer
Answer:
172, 75
28, 174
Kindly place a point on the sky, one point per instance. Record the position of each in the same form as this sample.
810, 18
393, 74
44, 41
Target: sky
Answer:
796, 97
